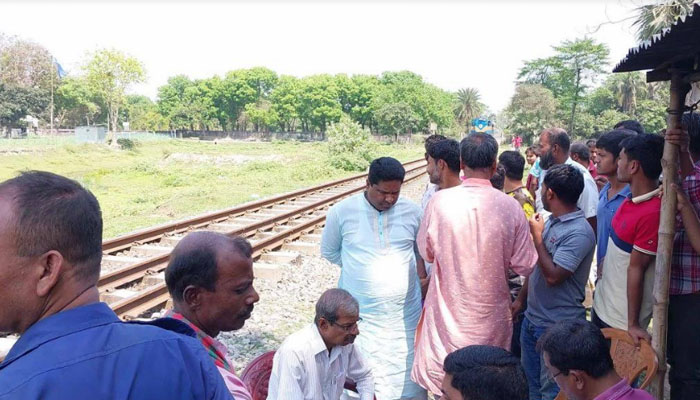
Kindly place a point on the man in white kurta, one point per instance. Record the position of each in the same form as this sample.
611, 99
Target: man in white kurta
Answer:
372, 237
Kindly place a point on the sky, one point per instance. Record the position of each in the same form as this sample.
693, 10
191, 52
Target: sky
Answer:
452, 44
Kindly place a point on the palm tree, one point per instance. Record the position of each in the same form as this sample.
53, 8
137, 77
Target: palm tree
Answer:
627, 88
655, 18
468, 106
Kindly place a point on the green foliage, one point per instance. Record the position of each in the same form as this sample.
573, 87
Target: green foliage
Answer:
16, 102
575, 66
532, 109
127, 144
396, 118
349, 145
654, 18
109, 73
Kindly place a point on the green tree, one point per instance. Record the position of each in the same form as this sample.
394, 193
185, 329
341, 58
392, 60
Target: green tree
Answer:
531, 109
261, 115
285, 102
318, 102
16, 102
395, 119
110, 73
599, 100
143, 115
654, 18
575, 66
468, 106
76, 104
627, 88
26, 64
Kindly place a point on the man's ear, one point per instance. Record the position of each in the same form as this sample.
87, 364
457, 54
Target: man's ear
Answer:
323, 324
441, 164
634, 166
192, 296
50, 265
577, 378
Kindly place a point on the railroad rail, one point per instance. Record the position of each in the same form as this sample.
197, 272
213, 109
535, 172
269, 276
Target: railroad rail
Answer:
269, 224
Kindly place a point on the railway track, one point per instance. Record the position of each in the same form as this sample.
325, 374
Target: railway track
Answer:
132, 280
133, 283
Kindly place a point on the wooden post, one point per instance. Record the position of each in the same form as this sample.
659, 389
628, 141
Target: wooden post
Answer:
667, 229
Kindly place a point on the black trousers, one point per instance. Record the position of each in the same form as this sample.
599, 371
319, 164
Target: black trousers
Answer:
684, 346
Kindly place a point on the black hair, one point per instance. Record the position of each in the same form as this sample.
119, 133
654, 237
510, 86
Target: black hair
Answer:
559, 137
591, 142
565, 181
513, 162
581, 150
630, 124
385, 169
498, 179
610, 141
431, 140
53, 212
195, 264
691, 122
478, 150
577, 345
532, 149
648, 150
448, 151
486, 373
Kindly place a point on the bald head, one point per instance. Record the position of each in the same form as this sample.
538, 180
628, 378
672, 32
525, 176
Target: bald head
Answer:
194, 260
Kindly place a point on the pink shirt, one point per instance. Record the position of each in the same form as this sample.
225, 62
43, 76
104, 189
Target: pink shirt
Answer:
623, 391
473, 234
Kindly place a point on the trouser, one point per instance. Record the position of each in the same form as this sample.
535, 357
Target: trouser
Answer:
684, 346
538, 382
515, 340
595, 319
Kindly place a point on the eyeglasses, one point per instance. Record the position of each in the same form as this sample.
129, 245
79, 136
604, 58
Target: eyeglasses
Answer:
551, 376
347, 327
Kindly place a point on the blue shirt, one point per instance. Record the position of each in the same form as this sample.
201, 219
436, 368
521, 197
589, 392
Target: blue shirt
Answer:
606, 211
570, 240
88, 353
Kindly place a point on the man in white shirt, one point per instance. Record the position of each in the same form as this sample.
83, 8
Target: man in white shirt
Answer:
312, 364
554, 150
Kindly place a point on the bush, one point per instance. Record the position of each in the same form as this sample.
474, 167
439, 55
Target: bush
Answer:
127, 144
349, 146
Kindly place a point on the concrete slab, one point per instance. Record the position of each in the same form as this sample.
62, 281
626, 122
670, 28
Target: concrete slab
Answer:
149, 250
267, 271
280, 257
306, 248
116, 295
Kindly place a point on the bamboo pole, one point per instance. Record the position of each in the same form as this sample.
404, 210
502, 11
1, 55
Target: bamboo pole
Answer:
667, 228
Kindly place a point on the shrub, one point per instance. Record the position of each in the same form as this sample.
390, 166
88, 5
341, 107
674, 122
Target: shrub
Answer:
127, 144
349, 146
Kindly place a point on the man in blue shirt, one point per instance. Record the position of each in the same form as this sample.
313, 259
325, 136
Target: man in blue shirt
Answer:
71, 345
613, 193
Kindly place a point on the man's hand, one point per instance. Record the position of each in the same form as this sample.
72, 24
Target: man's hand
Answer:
637, 333
681, 198
600, 181
678, 137
537, 227
424, 284
516, 307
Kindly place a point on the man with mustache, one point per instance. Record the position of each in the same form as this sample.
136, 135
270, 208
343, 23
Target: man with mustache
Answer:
314, 362
372, 237
554, 150
210, 278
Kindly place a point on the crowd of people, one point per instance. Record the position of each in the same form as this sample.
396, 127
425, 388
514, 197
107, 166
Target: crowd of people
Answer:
476, 294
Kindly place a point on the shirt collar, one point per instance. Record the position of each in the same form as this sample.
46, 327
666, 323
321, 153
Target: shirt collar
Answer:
318, 346
616, 391
568, 216
61, 324
200, 334
476, 182
644, 197
624, 192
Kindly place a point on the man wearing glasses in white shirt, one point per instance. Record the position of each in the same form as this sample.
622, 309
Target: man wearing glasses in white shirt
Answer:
313, 363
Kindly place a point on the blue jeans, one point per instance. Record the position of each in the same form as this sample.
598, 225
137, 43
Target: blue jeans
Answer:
541, 387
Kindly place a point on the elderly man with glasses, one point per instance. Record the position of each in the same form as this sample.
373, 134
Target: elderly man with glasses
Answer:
314, 362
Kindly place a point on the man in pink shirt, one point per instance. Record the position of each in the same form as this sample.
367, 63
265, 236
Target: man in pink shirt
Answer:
577, 357
473, 234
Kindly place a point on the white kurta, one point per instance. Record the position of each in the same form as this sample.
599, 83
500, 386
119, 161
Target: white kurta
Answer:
377, 254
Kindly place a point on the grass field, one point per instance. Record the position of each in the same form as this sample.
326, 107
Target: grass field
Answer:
164, 179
